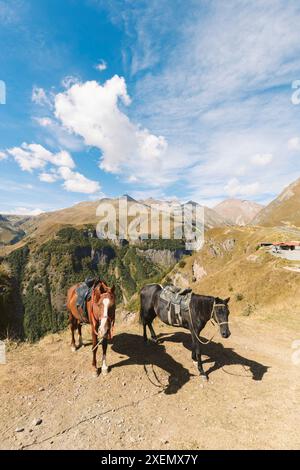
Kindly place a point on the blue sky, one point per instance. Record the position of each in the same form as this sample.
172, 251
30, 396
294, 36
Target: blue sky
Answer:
154, 98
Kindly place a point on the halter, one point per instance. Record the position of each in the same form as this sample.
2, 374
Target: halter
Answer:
212, 319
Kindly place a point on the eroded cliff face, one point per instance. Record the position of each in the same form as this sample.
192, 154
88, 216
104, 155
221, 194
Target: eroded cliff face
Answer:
43, 273
165, 258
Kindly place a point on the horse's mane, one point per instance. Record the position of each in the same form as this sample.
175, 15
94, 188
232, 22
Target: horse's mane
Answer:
203, 303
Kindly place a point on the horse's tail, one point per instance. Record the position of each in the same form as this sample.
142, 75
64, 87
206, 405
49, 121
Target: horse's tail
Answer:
141, 306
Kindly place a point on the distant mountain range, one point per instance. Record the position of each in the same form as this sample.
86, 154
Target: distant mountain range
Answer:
284, 210
11, 228
237, 211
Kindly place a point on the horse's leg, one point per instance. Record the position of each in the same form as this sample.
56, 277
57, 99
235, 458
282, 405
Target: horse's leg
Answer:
80, 335
194, 353
197, 356
145, 331
72, 327
95, 348
153, 335
104, 368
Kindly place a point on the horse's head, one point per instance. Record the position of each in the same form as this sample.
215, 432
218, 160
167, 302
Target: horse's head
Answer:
220, 315
104, 302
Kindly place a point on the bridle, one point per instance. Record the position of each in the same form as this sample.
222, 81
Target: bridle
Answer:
213, 319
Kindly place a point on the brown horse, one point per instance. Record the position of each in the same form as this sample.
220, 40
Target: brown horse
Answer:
101, 316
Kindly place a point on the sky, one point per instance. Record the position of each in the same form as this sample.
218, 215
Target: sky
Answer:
195, 100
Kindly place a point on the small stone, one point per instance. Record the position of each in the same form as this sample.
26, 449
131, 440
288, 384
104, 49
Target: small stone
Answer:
37, 422
41, 389
19, 429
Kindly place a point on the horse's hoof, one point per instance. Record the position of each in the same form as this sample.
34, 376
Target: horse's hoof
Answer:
153, 341
95, 373
104, 371
73, 348
204, 378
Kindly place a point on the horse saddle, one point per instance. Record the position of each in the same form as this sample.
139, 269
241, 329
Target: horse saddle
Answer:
84, 293
178, 303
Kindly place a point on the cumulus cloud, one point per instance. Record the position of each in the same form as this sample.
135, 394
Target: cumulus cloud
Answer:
73, 181
262, 159
34, 156
234, 188
93, 111
48, 177
101, 66
3, 156
76, 182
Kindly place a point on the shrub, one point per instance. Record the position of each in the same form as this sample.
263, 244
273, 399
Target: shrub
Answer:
239, 297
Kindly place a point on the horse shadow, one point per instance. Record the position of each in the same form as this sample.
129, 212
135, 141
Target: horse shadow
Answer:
220, 355
151, 354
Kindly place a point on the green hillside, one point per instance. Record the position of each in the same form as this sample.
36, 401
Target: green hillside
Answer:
42, 274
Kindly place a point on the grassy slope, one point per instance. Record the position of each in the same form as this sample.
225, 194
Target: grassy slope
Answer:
255, 280
284, 210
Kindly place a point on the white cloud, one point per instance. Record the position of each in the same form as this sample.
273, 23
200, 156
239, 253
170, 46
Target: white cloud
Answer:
3, 156
234, 188
75, 182
34, 156
101, 66
45, 121
207, 88
294, 143
262, 159
25, 211
55, 134
92, 111
48, 177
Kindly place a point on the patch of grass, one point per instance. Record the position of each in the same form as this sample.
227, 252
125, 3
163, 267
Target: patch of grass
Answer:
248, 310
239, 297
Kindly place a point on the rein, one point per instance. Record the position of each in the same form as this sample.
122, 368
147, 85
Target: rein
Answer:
213, 320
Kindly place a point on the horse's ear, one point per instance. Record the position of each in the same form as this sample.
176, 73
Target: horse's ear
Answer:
227, 300
101, 288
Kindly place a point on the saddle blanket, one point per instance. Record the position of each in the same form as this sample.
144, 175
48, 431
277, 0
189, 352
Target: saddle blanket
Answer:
178, 303
84, 292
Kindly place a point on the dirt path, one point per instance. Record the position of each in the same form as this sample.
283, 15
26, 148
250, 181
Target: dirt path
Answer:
153, 397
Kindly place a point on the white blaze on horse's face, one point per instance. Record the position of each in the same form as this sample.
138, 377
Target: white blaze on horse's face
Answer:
104, 322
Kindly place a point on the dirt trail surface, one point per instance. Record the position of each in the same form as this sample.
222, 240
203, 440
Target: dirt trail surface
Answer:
153, 397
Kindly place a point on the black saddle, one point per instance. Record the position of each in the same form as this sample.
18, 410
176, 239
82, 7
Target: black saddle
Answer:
84, 292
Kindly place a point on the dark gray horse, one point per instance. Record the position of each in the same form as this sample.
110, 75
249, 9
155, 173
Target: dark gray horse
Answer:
202, 309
